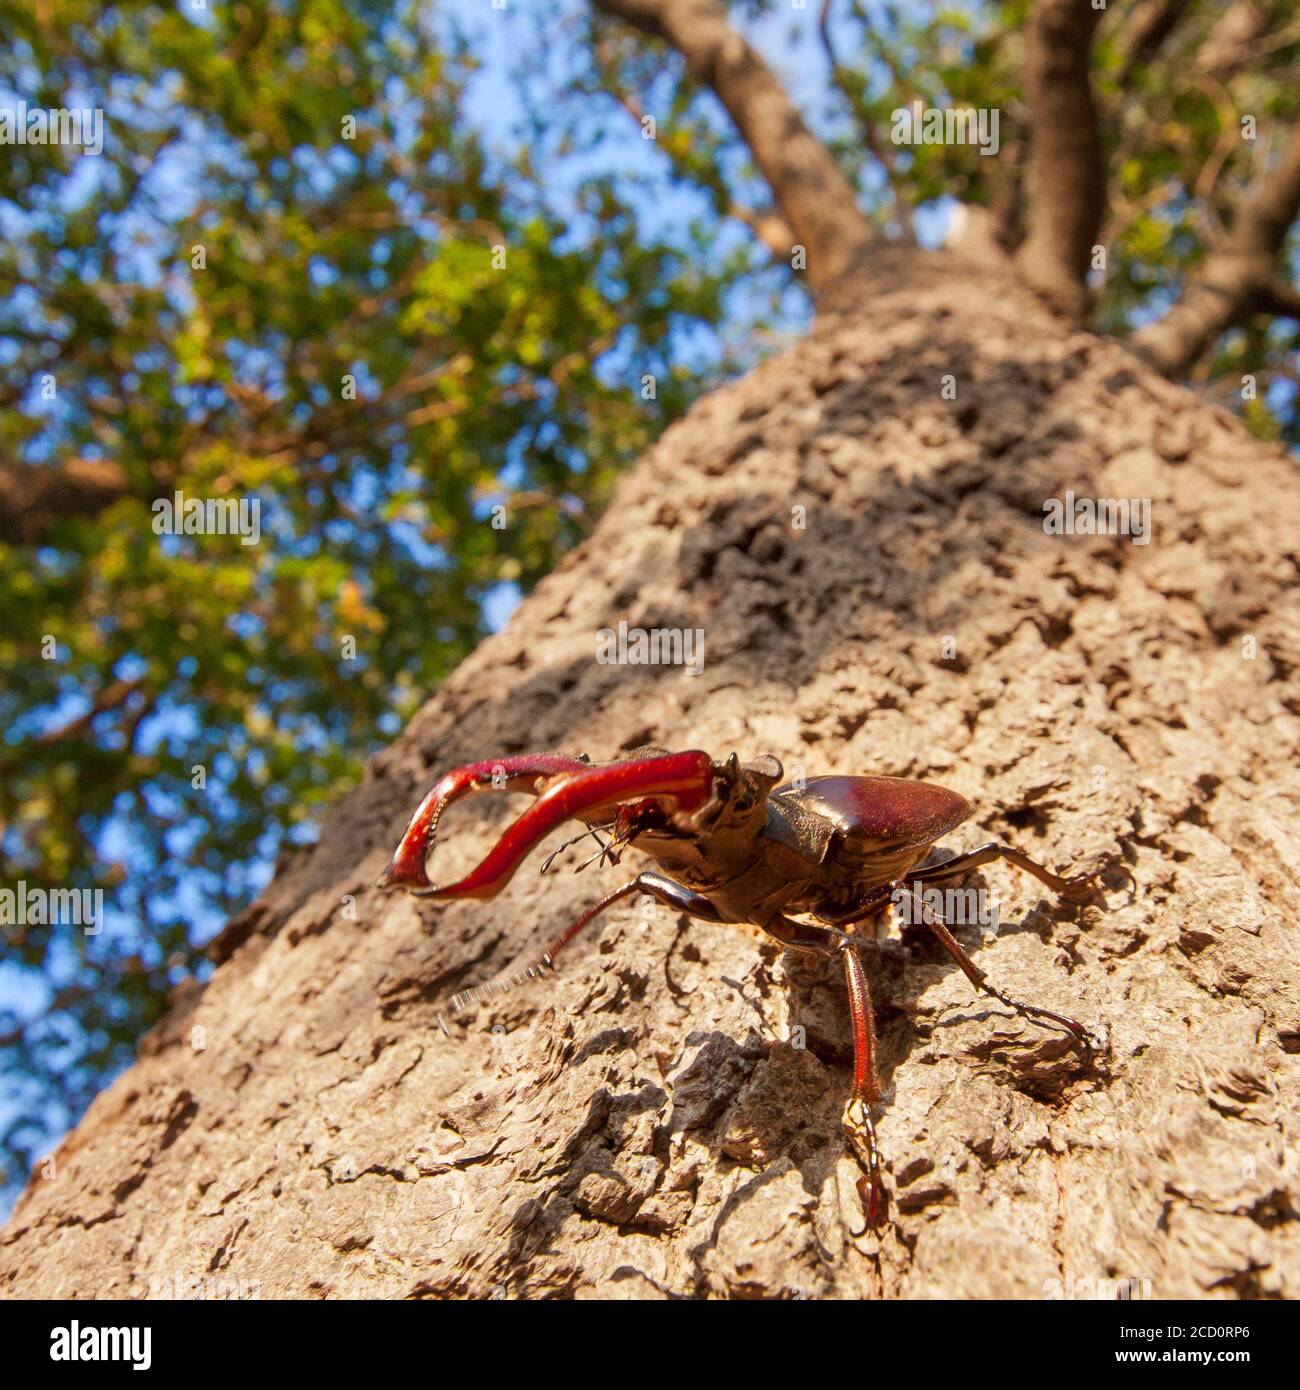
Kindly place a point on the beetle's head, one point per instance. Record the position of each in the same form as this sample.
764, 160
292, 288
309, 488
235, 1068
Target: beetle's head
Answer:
730, 818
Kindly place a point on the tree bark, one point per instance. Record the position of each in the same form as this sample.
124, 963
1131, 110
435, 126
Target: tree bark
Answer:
661, 1117
1066, 177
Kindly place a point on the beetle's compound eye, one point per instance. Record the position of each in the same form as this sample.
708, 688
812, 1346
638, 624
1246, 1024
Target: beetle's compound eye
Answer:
758, 779
766, 767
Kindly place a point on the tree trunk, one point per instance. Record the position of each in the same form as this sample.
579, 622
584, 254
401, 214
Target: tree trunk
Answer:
661, 1117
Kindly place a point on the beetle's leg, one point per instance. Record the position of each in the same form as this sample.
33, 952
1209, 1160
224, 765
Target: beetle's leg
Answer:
875, 901
674, 894
980, 980
669, 892
802, 936
857, 1121
1073, 889
858, 1124
657, 885
567, 935
547, 961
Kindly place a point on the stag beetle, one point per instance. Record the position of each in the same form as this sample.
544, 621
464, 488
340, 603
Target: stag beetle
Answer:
735, 846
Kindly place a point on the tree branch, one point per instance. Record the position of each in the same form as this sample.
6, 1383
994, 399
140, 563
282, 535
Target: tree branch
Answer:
1280, 299
770, 228
1230, 44
32, 498
110, 697
1145, 30
814, 195
1066, 183
879, 149
1237, 278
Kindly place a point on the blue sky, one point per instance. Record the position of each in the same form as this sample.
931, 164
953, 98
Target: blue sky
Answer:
495, 106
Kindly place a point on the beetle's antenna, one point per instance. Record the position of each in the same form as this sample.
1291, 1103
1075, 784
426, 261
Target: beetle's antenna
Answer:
555, 854
614, 850
607, 851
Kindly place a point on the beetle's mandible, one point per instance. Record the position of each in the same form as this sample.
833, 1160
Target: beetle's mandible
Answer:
733, 845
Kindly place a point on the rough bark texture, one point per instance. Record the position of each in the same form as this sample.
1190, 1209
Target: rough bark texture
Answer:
642, 1124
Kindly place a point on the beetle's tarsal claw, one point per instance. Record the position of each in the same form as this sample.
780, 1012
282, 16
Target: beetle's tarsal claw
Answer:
1082, 886
861, 1132
872, 1197
1113, 865
1078, 1033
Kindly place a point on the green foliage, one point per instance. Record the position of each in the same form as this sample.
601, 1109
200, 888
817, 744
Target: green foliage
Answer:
377, 334
1190, 136
1172, 131
303, 272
